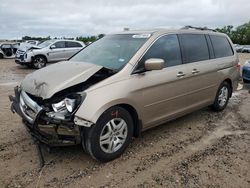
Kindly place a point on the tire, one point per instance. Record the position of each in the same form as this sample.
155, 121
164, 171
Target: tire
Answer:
39, 62
222, 97
29, 66
1, 56
246, 81
115, 126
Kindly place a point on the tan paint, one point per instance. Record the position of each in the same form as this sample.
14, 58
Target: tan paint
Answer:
160, 95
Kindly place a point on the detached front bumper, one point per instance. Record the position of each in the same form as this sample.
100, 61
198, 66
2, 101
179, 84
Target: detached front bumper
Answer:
49, 131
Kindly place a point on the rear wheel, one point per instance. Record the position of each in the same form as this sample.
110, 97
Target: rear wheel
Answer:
110, 136
39, 62
1, 56
222, 97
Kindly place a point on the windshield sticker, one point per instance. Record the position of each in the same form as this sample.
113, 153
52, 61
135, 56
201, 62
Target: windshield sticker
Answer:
121, 60
141, 36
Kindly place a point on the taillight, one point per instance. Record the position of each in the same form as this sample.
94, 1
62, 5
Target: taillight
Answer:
238, 66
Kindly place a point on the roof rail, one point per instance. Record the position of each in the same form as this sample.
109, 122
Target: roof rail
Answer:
198, 28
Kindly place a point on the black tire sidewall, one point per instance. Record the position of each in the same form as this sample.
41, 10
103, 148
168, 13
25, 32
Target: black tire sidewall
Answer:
1, 56
216, 105
93, 134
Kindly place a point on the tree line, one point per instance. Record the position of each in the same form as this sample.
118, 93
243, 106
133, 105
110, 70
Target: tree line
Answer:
239, 35
86, 39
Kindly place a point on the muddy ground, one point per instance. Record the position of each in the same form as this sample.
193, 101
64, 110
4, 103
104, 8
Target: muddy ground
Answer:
202, 149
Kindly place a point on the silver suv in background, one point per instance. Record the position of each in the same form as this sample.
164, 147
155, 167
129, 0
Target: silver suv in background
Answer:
48, 51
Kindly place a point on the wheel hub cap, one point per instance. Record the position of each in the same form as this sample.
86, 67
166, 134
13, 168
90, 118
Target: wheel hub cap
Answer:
113, 135
223, 96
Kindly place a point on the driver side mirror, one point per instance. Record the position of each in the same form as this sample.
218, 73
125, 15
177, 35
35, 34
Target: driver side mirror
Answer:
52, 47
154, 64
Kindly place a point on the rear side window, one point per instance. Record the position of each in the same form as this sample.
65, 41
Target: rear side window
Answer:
73, 44
166, 48
221, 45
60, 44
194, 47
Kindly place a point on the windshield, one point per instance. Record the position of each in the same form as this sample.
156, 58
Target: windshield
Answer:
46, 43
113, 51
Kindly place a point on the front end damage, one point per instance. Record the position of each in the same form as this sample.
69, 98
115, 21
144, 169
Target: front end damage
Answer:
52, 120
44, 124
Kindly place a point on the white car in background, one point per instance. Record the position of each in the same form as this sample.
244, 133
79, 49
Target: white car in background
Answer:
238, 47
8, 49
48, 51
32, 42
246, 49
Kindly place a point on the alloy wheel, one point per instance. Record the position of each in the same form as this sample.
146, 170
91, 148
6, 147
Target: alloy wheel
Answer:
223, 96
113, 135
39, 62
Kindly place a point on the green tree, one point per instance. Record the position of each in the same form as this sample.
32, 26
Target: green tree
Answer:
239, 35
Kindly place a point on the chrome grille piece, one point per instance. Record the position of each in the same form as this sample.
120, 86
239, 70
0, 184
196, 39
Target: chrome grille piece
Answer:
29, 108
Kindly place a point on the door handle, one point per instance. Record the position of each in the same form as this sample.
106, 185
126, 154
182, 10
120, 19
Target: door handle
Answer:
180, 74
195, 71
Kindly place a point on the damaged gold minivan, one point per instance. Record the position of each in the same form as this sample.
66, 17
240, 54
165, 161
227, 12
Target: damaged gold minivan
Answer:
125, 83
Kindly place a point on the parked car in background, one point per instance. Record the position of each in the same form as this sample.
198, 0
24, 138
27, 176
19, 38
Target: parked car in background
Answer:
238, 47
32, 42
246, 72
126, 83
8, 49
246, 49
48, 51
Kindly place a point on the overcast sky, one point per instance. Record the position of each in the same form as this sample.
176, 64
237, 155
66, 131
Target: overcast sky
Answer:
76, 17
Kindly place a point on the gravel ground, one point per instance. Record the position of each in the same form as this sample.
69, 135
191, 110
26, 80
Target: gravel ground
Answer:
202, 149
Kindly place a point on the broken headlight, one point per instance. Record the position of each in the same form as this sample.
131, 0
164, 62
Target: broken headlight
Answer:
68, 104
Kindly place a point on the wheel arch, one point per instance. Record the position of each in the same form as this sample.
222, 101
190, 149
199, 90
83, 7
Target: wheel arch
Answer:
131, 110
137, 122
42, 56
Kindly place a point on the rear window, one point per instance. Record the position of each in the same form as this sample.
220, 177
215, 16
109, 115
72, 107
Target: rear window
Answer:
194, 47
221, 45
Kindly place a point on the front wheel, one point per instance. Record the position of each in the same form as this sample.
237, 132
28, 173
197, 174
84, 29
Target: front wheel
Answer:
39, 62
222, 97
110, 136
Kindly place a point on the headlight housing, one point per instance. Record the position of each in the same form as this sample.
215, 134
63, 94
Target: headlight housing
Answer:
66, 104
69, 104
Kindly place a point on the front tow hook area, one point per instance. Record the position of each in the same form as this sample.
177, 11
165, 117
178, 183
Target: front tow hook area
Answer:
16, 109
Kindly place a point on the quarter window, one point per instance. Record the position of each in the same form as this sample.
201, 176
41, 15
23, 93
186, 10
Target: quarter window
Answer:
194, 47
166, 48
73, 44
222, 47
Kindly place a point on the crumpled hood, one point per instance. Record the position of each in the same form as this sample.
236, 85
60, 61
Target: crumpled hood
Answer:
25, 47
52, 79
